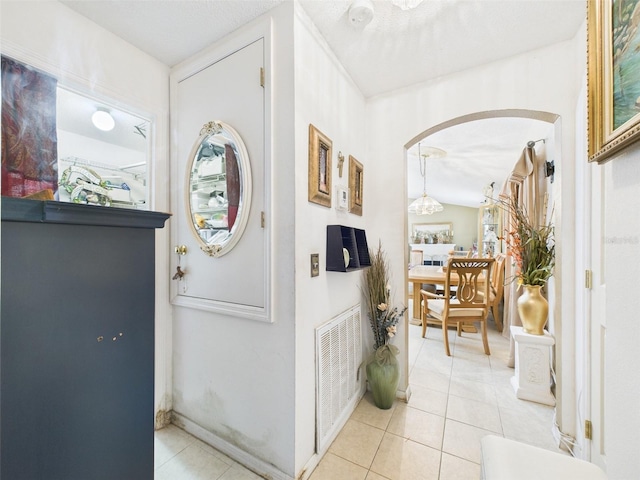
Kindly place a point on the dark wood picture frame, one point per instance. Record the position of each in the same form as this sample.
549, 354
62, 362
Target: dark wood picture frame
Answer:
320, 152
356, 186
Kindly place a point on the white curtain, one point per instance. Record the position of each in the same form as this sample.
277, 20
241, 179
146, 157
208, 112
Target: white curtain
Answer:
527, 184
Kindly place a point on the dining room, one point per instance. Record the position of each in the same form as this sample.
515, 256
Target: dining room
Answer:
457, 177
458, 180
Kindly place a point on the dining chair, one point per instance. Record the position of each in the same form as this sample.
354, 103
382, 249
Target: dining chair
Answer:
417, 257
470, 305
497, 289
453, 254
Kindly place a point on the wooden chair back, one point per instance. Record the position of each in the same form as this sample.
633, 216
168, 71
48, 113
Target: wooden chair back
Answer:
473, 280
497, 288
417, 258
471, 303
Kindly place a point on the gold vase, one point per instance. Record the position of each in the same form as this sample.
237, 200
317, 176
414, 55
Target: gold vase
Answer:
533, 309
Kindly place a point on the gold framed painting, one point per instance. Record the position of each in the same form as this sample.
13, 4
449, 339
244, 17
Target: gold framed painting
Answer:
613, 76
356, 186
320, 147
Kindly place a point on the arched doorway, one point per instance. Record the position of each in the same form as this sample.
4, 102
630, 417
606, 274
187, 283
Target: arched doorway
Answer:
554, 151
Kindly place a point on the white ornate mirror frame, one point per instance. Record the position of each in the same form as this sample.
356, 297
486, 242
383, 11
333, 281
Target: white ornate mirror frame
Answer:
218, 188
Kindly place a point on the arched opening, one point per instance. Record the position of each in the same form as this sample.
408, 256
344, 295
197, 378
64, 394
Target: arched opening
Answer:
548, 122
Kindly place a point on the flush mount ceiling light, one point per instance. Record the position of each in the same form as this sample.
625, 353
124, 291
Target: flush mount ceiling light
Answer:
360, 13
426, 205
103, 120
406, 4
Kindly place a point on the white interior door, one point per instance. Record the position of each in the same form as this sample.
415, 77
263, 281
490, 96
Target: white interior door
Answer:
598, 321
229, 90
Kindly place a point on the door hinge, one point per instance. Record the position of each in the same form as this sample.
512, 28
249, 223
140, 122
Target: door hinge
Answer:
588, 430
262, 76
588, 278
262, 219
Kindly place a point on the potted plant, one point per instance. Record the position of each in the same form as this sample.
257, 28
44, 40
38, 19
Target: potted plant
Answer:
532, 248
382, 367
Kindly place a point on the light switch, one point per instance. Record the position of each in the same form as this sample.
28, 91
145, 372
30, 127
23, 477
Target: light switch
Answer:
315, 264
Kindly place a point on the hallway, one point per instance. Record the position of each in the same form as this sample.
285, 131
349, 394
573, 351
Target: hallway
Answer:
455, 401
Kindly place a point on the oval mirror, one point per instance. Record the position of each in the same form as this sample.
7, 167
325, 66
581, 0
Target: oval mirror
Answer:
219, 188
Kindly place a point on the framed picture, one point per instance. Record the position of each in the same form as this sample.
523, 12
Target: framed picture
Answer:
355, 186
319, 167
613, 77
432, 233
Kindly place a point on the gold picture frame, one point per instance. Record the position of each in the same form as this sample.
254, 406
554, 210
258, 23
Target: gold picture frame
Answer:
356, 186
613, 79
320, 151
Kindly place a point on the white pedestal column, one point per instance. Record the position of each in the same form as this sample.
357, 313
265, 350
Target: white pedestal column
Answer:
532, 380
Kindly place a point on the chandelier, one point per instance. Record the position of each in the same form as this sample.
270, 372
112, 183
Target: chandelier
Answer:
426, 205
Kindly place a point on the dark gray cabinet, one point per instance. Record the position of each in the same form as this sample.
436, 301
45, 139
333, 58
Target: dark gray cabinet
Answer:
76, 341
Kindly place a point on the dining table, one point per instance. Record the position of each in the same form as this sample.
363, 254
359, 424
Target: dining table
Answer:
419, 274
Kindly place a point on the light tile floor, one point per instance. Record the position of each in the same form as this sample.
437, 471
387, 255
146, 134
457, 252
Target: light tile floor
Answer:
436, 435
179, 456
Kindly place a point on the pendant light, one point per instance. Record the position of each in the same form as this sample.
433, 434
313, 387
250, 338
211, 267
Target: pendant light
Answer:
426, 205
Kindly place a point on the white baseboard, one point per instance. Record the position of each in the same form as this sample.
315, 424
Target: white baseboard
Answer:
565, 441
256, 465
406, 395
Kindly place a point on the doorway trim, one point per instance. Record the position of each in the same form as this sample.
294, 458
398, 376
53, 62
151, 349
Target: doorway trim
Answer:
564, 277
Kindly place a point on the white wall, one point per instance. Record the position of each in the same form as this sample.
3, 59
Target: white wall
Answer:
464, 222
327, 98
621, 203
542, 80
53, 38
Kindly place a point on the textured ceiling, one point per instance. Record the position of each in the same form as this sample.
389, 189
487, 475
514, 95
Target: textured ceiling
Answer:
488, 153
396, 49
400, 48
171, 30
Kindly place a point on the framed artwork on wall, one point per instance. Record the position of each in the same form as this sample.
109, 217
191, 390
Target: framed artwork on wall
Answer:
320, 147
613, 77
356, 186
432, 232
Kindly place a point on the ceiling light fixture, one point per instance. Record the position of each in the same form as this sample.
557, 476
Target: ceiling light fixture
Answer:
103, 120
426, 205
360, 13
406, 4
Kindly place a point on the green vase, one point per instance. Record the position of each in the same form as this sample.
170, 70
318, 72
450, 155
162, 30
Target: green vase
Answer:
383, 375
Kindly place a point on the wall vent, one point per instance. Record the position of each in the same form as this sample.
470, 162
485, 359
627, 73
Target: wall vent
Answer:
338, 382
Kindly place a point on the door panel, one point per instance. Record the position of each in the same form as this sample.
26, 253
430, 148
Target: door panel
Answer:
228, 90
598, 320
